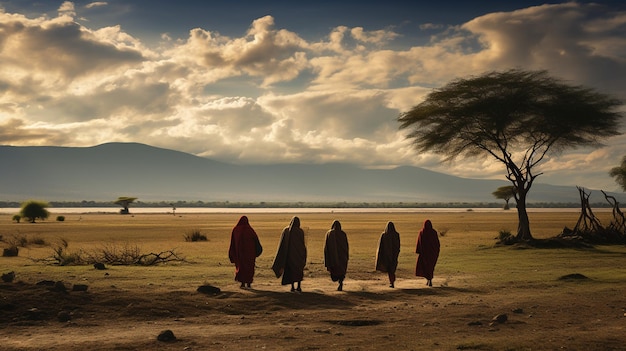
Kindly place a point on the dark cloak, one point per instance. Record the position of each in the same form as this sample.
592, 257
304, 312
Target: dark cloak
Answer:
388, 250
291, 255
336, 252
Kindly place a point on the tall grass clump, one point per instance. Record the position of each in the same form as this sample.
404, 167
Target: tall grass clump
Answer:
505, 237
195, 235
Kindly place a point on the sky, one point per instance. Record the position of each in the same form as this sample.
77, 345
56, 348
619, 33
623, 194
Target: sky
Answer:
252, 82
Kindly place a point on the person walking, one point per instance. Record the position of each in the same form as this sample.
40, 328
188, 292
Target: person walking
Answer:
245, 247
290, 257
336, 253
428, 252
388, 251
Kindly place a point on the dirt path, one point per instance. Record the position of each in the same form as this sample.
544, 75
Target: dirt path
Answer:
366, 316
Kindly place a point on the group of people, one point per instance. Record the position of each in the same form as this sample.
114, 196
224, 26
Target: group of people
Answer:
291, 254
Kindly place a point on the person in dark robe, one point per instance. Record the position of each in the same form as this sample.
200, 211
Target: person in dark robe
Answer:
388, 251
428, 252
336, 254
291, 255
244, 249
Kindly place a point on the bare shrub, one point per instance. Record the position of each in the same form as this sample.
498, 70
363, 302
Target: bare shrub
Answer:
130, 254
18, 240
63, 257
112, 254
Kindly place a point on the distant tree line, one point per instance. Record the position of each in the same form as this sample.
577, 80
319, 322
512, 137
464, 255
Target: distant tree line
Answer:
300, 204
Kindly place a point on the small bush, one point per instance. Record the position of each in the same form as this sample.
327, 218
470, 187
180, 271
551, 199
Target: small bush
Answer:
60, 218
195, 235
20, 240
17, 218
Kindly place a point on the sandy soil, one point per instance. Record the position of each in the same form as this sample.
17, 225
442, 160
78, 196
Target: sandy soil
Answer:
455, 314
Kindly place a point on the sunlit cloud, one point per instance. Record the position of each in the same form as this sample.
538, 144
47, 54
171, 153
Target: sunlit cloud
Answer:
96, 4
269, 95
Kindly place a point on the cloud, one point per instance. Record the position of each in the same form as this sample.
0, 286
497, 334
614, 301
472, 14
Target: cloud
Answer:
67, 9
271, 96
583, 43
96, 4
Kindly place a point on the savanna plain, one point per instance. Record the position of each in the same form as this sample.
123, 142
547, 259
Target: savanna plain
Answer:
554, 298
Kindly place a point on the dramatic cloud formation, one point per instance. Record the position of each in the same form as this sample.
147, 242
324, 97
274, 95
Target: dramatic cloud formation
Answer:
270, 95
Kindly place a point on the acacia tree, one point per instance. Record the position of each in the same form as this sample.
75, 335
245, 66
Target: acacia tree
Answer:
124, 201
505, 193
619, 173
514, 116
33, 210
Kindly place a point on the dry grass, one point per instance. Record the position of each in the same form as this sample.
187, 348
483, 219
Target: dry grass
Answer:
473, 282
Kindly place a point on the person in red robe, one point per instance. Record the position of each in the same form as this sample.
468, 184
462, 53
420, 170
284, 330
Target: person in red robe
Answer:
243, 251
336, 254
291, 255
428, 252
388, 251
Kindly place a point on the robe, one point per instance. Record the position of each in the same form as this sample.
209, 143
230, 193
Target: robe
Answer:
336, 252
243, 250
388, 250
427, 250
291, 254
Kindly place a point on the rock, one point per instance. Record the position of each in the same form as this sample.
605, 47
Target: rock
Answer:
45, 283
8, 277
501, 318
99, 266
64, 316
59, 287
34, 314
80, 287
209, 289
10, 252
518, 311
574, 276
166, 336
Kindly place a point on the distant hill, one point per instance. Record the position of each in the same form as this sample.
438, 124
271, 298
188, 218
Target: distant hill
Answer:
107, 171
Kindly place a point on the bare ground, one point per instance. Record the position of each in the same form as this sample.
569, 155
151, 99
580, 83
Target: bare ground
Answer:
455, 314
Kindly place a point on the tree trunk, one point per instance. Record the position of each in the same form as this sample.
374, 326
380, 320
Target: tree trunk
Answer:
523, 227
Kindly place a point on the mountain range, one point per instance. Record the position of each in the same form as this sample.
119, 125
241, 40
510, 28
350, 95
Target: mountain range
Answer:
110, 170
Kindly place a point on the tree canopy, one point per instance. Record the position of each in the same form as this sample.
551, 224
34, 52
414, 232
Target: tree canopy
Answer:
505, 193
619, 173
124, 201
514, 116
33, 210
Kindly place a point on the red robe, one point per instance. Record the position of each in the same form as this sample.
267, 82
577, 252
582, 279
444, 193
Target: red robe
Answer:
242, 251
427, 250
